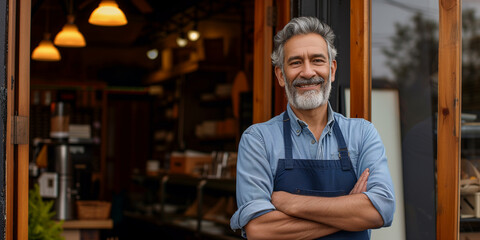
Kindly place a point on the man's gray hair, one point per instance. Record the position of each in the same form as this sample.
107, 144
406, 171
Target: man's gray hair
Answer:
302, 26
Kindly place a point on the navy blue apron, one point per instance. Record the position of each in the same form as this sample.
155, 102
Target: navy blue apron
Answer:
325, 178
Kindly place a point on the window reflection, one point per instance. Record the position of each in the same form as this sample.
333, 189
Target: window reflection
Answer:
470, 151
405, 58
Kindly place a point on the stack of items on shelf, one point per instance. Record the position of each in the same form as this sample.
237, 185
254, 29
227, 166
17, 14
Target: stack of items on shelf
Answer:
79, 131
469, 190
214, 165
216, 128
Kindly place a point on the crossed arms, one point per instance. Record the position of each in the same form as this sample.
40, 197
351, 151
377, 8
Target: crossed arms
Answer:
310, 217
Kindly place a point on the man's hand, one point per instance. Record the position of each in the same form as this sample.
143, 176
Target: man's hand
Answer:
361, 184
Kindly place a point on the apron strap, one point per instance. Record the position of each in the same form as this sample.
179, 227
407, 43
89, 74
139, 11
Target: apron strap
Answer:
287, 139
342, 148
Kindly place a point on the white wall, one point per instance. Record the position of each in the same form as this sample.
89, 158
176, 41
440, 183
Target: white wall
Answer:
386, 118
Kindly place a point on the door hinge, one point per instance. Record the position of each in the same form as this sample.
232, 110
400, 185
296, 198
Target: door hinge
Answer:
20, 130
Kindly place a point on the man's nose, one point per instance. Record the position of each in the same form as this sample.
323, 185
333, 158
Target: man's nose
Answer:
307, 71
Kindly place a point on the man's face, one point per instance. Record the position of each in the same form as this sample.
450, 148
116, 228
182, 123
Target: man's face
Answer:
307, 72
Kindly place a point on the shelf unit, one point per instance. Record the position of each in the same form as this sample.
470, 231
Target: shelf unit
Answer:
175, 214
189, 107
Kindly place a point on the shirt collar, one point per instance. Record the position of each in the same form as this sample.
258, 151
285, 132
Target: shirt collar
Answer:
297, 125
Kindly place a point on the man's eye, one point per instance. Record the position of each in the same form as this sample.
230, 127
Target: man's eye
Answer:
318, 60
295, 63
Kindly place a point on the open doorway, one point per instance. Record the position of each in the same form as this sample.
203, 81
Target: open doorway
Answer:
134, 106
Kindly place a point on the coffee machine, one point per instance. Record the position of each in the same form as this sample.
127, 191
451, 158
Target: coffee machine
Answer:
57, 181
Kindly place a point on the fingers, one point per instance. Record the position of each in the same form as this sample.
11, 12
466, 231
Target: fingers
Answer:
361, 184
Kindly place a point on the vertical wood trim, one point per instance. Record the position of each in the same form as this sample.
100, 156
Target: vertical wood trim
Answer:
23, 110
262, 66
360, 59
9, 149
283, 17
103, 146
449, 110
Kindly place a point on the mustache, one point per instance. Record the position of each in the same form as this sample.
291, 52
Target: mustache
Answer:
313, 80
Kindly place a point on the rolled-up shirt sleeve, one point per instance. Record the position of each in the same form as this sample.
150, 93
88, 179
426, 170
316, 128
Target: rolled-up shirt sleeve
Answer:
379, 187
254, 180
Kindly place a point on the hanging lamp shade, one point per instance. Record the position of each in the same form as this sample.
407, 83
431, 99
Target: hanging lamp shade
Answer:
108, 14
193, 35
70, 36
181, 41
46, 51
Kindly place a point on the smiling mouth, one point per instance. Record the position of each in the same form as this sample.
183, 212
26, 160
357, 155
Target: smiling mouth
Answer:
306, 85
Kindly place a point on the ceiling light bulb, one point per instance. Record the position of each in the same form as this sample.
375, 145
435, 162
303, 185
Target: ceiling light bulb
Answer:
107, 14
152, 54
193, 35
181, 42
70, 36
46, 51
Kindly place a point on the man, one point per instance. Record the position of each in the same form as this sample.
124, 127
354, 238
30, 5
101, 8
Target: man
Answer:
310, 172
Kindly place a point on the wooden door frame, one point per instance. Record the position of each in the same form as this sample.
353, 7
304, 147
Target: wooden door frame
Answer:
361, 59
18, 104
449, 110
262, 66
449, 102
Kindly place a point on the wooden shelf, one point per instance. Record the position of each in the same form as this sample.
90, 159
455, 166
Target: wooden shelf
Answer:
88, 224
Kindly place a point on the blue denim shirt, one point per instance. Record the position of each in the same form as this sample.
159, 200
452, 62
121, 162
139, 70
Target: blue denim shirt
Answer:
261, 146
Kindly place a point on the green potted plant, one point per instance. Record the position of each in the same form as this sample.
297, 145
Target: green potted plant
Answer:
41, 225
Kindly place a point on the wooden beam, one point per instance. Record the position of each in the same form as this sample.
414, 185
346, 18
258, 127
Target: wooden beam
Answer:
283, 17
262, 66
360, 59
23, 110
449, 110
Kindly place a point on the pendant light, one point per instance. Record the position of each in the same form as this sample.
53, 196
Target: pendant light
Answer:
193, 34
108, 14
181, 40
46, 51
70, 36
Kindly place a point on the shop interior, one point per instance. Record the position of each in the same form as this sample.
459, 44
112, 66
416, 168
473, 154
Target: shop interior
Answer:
133, 133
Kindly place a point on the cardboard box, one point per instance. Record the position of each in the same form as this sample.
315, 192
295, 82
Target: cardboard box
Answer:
188, 163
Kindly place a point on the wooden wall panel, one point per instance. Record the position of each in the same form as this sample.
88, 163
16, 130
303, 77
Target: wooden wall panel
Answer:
360, 59
23, 93
283, 17
449, 110
262, 66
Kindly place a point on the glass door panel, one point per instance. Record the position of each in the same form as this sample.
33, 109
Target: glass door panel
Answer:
404, 84
470, 142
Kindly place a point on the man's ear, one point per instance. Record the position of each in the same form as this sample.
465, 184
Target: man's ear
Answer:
333, 69
280, 77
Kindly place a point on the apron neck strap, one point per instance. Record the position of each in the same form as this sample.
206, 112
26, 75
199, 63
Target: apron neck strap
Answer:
342, 148
287, 139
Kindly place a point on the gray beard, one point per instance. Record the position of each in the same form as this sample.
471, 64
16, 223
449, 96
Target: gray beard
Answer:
310, 99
